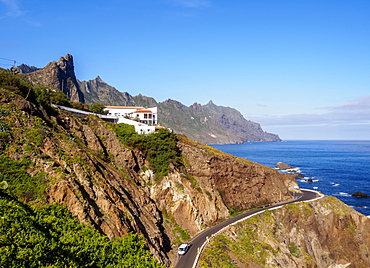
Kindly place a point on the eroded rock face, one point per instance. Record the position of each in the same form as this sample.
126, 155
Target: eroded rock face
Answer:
99, 193
242, 184
117, 202
59, 75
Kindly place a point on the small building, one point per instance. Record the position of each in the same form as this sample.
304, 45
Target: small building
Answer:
140, 114
145, 120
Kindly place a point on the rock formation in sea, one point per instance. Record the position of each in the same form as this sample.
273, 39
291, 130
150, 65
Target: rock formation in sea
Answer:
360, 194
283, 166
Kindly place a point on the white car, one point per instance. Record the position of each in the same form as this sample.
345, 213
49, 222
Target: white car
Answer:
183, 249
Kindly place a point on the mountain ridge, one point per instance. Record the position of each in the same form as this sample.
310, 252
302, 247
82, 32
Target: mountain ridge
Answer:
208, 123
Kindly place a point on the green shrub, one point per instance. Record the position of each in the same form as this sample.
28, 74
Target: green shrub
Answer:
51, 237
159, 147
4, 127
20, 182
97, 108
294, 250
39, 94
14, 82
124, 132
45, 96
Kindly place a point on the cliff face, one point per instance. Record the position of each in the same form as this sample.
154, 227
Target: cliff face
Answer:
59, 75
193, 122
97, 91
324, 233
108, 185
233, 122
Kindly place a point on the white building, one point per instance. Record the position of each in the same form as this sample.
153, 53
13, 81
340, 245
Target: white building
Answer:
145, 120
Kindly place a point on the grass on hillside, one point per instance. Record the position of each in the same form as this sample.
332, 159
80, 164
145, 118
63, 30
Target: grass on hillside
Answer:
159, 147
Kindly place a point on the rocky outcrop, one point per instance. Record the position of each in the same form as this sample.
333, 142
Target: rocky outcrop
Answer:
242, 184
292, 170
97, 91
323, 233
216, 184
59, 75
283, 166
25, 69
361, 195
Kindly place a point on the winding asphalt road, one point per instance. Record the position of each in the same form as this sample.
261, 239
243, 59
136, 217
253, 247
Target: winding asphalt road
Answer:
187, 260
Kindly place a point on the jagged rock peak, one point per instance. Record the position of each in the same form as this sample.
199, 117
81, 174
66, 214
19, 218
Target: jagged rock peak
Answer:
210, 103
66, 65
98, 78
196, 107
175, 103
25, 69
60, 75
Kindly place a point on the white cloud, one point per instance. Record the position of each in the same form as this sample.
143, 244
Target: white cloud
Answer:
360, 104
12, 8
355, 112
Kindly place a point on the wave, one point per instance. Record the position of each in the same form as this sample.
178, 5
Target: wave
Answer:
290, 170
343, 194
306, 179
293, 170
334, 184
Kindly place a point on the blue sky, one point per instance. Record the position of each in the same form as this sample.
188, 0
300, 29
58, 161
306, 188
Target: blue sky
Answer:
300, 68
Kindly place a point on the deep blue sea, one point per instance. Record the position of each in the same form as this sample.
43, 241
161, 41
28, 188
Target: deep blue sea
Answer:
337, 168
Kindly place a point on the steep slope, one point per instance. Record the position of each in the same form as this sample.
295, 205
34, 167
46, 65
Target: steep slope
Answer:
50, 156
233, 122
193, 122
84, 165
98, 91
324, 233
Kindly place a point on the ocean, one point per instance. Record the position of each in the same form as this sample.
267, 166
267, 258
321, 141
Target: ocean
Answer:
337, 168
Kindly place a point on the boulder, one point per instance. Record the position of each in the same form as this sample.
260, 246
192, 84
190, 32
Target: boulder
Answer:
283, 166
360, 194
